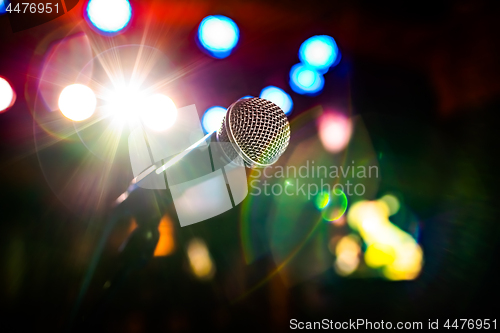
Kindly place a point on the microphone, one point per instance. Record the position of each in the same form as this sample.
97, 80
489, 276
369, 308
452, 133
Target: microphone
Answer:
254, 132
255, 129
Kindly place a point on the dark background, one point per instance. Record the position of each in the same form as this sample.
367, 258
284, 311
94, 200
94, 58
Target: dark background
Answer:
425, 79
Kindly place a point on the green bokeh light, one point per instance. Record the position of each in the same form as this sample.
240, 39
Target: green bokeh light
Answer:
336, 206
322, 200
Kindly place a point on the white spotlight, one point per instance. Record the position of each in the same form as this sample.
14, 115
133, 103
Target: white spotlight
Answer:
125, 104
109, 16
159, 112
7, 95
77, 102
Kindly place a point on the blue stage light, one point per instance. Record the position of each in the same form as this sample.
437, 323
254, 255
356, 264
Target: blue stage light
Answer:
319, 52
3, 6
218, 35
247, 97
278, 97
306, 80
109, 16
212, 119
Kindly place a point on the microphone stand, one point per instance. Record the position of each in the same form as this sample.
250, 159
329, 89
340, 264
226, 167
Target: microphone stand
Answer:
139, 247
135, 252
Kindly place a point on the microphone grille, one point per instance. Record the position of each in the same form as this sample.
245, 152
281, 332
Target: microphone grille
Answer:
257, 129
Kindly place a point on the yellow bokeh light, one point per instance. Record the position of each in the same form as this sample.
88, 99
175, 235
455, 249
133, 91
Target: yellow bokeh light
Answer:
370, 213
77, 102
346, 265
392, 203
199, 259
378, 255
348, 244
391, 249
407, 264
347, 252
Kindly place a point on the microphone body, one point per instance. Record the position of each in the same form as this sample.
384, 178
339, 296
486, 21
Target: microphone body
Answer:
256, 130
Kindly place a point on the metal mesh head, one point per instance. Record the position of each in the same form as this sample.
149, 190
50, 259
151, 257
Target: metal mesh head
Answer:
257, 130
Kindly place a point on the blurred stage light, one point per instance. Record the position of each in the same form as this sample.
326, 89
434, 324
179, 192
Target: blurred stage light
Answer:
77, 102
132, 226
125, 104
218, 35
347, 252
278, 97
407, 264
158, 112
109, 16
200, 260
389, 248
334, 131
319, 52
166, 243
3, 6
7, 95
246, 97
378, 255
306, 80
392, 203
212, 119
348, 244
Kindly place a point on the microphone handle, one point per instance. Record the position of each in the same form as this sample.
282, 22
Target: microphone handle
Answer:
155, 169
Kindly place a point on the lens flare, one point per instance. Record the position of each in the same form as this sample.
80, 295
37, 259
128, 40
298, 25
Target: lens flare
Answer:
279, 97
109, 16
306, 80
125, 104
322, 200
67, 61
77, 102
158, 112
319, 52
7, 95
218, 35
212, 119
336, 206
